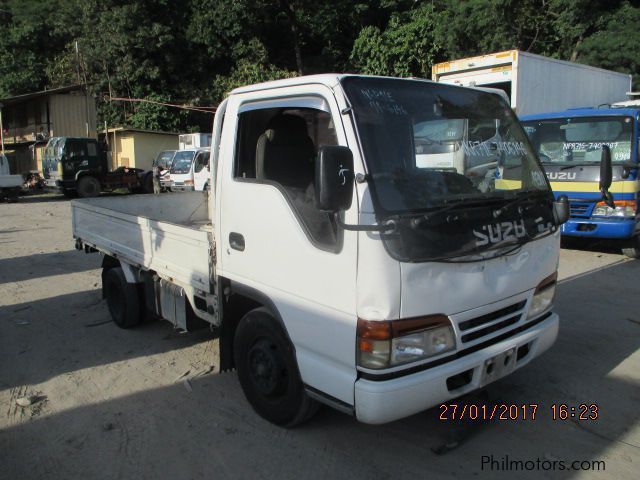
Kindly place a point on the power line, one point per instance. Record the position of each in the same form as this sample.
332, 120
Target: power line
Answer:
202, 109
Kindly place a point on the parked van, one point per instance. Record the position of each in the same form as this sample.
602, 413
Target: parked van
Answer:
186, 165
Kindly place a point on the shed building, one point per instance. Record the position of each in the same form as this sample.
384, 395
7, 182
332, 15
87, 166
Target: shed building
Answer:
29, 120
136, 148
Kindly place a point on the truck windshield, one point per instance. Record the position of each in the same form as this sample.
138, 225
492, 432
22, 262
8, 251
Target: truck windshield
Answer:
51, 156
164, 159
182, 162
445, 163
563, 141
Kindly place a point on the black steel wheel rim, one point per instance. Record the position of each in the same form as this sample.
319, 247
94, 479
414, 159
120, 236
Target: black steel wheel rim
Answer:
266, 368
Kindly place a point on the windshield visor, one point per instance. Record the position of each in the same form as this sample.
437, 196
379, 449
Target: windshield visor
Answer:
449, 165
182, 162
567, 141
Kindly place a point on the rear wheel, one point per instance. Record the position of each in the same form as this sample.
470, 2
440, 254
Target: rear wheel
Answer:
268, 371
88, 187
122, 298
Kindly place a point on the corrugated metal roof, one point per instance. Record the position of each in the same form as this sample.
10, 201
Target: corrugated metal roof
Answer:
43, 93
141, 130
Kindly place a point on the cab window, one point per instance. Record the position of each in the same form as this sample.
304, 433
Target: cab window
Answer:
202, 160
279, 146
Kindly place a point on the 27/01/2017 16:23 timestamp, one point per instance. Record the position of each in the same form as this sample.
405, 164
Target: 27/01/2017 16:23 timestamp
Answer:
503, 411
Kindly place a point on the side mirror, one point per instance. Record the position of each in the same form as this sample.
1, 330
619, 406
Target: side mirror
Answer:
334, 178
561, 210
627, 166
606, 175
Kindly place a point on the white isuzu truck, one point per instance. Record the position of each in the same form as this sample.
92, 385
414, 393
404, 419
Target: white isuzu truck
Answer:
335, 267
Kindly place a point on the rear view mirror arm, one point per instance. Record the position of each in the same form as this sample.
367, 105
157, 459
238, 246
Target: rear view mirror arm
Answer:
390, 226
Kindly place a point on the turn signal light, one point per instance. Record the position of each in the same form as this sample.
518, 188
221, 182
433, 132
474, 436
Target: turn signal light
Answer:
383, 344
543, 296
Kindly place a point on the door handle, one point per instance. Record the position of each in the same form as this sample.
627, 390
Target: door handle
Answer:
236, 241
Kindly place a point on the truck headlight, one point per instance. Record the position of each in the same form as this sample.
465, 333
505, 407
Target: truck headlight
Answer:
383, 344
623, 208
543, 296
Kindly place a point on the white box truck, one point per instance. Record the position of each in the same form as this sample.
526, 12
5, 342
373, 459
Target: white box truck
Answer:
535, 83
194, 140
336, 269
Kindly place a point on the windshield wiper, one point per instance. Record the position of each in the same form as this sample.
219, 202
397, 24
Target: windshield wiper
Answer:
578, 164
521, 198
420, 218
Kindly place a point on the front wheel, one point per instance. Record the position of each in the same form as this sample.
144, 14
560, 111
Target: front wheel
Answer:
268, 371
632, 250
88, 187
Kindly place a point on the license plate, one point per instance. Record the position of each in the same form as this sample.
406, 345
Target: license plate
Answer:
498, 366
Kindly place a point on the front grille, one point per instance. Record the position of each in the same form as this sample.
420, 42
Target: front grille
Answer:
488, 323
580, 209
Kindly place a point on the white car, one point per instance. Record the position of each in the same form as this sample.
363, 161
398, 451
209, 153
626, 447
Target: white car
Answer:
187, 165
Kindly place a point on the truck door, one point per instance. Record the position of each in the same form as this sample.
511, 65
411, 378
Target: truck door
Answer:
201, 170
275, 243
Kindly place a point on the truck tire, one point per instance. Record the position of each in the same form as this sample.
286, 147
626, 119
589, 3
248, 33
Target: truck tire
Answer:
632, 250
122, 298
88, 187
147, 183
268, 371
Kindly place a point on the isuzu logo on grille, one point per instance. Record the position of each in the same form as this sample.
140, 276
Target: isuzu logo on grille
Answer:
561, 175
499, 232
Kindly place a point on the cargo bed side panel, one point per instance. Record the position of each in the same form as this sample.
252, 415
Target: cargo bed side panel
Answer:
176, 252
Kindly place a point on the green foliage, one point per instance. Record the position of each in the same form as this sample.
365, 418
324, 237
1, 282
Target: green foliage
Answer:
193, 52
407, 47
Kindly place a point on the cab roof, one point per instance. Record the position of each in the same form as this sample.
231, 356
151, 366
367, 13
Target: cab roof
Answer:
328, 79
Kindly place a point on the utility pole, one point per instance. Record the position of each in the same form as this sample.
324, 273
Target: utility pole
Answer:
1, 129
86, 92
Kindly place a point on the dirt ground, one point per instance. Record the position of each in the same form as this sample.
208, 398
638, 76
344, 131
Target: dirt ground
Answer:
148, 403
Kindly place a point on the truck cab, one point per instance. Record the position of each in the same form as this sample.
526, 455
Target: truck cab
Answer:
67, 159
78, 166
188, 164
569, 144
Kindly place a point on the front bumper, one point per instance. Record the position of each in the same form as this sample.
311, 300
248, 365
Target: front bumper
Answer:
384, 401
64, 184
599, 228
182, 188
